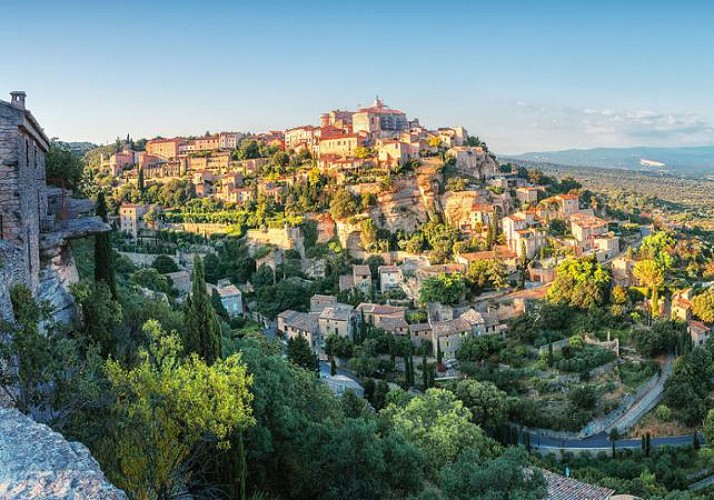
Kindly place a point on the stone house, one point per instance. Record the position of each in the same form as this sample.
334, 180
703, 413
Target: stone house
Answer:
448, 335
419, 333
395, 326
374, 313
606, 246
30, 226
528, 194
180, 281
338, 319
131, 218
585, 228
623, 271
293, 324
681, 305
231, 299
164, 148
699, 332
390, 277
318, 302
362, 278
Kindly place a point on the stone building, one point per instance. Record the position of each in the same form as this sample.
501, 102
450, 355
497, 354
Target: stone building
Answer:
23, 192
31, 225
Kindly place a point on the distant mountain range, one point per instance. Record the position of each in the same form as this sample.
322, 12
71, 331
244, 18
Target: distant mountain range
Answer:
688, 161
78, 147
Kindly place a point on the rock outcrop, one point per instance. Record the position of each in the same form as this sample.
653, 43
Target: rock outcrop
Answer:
36, 462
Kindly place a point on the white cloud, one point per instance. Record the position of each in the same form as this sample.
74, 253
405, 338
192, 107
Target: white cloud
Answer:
569, 127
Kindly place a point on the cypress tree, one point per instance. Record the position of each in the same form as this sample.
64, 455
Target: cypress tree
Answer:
203, 334
424, 373
103, 261
140, 180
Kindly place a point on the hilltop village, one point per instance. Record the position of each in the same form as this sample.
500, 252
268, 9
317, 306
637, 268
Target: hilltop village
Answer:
364, 280
412, 211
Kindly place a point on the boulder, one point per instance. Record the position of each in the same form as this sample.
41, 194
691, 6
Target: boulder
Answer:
36, 462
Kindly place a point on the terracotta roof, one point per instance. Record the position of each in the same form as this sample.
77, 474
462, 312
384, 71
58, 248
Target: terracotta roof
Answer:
380, 310
567, 196
587, 221
391, 324
361, 269
388, 269
699, 325
340, 312
473, 317
450, 327
228, 291
564, 488
420, 327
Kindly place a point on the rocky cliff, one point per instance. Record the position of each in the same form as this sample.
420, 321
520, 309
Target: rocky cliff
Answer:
36, 462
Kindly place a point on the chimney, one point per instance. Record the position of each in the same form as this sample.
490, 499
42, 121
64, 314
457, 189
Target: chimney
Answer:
18, 99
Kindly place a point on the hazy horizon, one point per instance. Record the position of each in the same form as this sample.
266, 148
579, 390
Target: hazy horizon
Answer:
523, 77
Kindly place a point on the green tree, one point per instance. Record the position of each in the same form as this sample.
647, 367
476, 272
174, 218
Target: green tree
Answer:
477, 349
300, 353
368, 235
581, 283
438, 424
64, 166
343, 205
140, 179
165, 264
103, 256
100, 315
703, 305
474, 476
488, 404
165, 408
203, 334
708, 427
445, 288
151, 279
652, 275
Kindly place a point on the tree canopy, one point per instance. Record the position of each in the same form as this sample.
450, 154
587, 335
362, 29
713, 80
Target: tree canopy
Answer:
581, 283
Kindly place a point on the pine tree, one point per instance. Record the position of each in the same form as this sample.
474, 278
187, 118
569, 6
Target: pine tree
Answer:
203, 333
103, 258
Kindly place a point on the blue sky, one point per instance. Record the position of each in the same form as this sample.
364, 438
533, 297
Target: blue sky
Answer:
530, 75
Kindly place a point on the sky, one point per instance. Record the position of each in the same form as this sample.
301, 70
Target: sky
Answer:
522, 75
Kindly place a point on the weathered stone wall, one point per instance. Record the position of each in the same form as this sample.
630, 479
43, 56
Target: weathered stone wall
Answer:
36, 462
23, 197
12, 273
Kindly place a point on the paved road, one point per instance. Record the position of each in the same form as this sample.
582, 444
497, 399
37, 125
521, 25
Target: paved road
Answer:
702, 484
601, 442
646, 402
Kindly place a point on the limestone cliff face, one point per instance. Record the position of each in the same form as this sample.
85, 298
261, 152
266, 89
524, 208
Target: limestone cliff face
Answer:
55, 278
401, 207
36, 462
